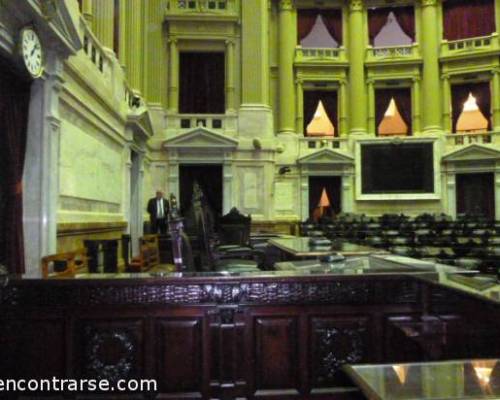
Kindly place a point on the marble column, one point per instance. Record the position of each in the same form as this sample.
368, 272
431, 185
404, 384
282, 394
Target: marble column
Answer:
87, 11
431, 85
103, 21
447, 104
342, 96
41, 171
173, 81
255, 52
156, 76
230, 70
495, 97
371, 107
134, 45
417, 126
299, 125
357, 89
287, 41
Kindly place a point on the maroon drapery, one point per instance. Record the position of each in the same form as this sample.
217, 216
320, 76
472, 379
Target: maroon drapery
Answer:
329, 99
14, 107
382, 99
377, 18
333, 22
406, 20
331, 17
459, 95
202, 87
464, 19
305, 22
402, 98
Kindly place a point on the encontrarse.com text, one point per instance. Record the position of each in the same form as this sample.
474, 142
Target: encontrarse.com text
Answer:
77, 385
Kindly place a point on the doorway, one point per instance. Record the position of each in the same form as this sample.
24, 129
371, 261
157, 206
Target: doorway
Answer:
135, 208
324, 196
476, 194
209, 177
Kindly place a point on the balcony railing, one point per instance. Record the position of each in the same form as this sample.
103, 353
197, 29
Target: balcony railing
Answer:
323, 55
463, 139
389, 53
202, 6
94, 51
222, 123
310, 144
483, 43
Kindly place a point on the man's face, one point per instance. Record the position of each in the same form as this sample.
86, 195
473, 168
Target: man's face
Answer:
159, 195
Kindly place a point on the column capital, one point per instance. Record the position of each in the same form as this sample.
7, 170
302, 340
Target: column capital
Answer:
426, 3
172, 41
355, 5
229, 42
286, 5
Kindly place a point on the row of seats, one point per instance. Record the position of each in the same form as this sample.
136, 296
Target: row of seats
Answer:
469, 241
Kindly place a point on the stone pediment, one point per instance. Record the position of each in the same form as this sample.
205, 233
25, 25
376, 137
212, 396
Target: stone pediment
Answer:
326, 156
141, 123
473, 152
201, 137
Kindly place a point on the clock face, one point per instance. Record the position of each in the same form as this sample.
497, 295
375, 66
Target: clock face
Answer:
31, 49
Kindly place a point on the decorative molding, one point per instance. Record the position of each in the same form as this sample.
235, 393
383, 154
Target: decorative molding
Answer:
426, 3
337, 346
68, 203
111, 292
355, 5
285, 5
96, 342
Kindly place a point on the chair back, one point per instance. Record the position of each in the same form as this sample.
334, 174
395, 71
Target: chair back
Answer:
150, 250
64, 264
234, 228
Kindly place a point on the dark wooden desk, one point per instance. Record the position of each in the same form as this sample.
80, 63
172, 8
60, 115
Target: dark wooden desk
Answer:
273, 335
446, 380
299, 247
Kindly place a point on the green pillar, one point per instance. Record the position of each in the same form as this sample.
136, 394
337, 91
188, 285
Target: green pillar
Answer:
255, 52
495, 95
431, 86
357, 90
134, 44
173, 81
287, 40
87, 11
155, 79
103, 21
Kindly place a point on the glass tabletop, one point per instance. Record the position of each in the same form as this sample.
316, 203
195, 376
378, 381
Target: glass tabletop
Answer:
301, 246
464, 379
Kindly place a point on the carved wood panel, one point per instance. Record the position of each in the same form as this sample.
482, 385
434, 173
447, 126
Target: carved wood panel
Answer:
110, 349
335, 341
179, 354
31, 348
276, 353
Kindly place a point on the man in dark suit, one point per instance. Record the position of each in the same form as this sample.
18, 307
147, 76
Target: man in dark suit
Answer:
158, 209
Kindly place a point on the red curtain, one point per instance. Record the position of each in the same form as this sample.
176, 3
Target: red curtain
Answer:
333, 22
377, 18
14, 108
329, 99
402, 98
331, 17
464, 19
406, 19
382, 99
459, 95
202, 83
305, 22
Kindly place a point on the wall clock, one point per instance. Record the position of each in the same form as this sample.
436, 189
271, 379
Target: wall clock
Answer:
32, 52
